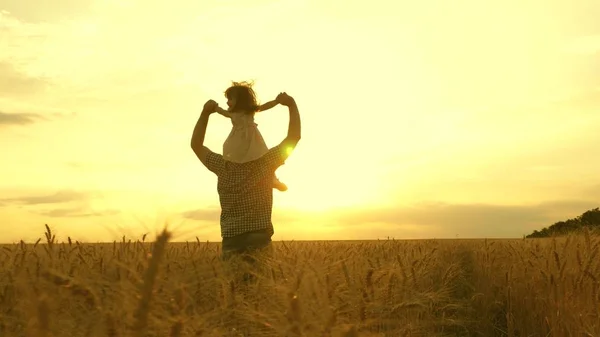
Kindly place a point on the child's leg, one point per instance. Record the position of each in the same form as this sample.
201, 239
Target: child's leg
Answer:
278, 184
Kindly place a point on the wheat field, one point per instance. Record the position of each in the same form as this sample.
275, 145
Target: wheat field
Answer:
521, 287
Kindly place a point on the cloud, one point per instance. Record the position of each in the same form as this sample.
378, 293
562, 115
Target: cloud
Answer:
469, 220
56, 198
38, 11
33, 115
441, 220
214, 213
75, 212
593, 192
204, 214
19, 118
15, 82
15, 107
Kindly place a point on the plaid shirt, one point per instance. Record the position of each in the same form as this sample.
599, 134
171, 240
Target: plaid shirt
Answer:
246, 191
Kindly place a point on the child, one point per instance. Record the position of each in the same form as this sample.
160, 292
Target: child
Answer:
245, 143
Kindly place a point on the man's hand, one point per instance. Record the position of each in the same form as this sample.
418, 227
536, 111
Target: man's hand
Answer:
210, 106
284, 99
199, 133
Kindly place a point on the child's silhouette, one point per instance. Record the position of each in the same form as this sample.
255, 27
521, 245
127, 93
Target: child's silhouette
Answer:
245, 142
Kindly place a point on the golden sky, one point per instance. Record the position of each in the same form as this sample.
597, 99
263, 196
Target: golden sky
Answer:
421, 119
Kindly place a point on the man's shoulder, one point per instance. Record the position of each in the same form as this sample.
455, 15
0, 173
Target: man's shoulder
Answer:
277, 150
215, 162
214, 158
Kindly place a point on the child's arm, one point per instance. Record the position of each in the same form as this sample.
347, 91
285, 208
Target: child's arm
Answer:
268, 105
223, 112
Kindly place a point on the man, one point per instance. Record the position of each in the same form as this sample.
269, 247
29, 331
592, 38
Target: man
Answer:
246, 189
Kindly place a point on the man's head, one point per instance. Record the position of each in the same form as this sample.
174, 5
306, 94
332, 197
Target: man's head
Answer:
241, 97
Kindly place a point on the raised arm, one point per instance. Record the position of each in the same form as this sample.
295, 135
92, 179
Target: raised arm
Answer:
278, 154
197, 142
294, 127
268, 105
222, 112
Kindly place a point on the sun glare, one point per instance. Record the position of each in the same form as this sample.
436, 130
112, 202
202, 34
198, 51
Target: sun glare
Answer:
289, 150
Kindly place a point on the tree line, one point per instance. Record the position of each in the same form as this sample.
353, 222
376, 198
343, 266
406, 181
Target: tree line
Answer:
589, 219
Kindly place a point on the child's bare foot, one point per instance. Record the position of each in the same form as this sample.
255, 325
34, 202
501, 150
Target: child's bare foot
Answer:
279, 185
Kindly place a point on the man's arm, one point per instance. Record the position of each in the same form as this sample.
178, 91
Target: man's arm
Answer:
278, 154
294, 126
197, 143
268, 105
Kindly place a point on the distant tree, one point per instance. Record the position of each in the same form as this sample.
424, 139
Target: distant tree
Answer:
589, 219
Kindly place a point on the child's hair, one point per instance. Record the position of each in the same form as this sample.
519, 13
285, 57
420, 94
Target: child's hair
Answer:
244, 96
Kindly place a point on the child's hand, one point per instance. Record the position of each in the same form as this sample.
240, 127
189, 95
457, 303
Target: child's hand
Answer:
222, 111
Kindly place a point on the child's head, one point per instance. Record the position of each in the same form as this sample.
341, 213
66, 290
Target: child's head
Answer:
241, 97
